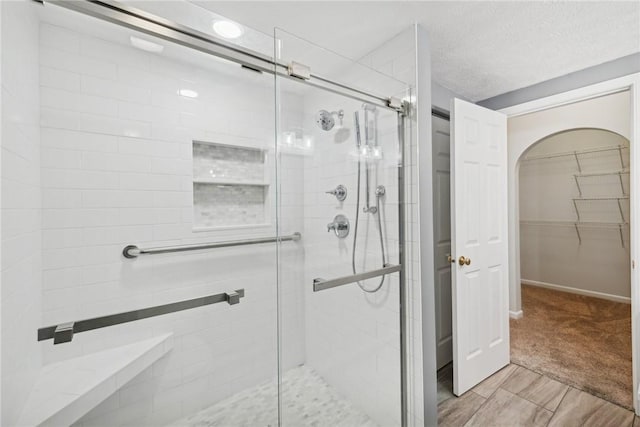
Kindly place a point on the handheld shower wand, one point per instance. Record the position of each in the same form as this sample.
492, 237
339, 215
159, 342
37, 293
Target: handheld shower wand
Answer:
380, 192
366, 151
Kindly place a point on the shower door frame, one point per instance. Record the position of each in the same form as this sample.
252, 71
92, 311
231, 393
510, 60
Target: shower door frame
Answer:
141, 21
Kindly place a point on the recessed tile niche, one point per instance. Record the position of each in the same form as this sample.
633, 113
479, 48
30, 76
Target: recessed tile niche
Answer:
230, 186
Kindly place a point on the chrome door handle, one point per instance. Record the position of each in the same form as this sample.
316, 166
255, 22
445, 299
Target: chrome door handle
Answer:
464, 261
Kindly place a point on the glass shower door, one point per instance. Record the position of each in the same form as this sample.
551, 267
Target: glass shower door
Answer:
339, 184
155, 230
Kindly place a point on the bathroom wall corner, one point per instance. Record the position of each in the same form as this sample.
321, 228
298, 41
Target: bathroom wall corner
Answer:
425, 215
21, 289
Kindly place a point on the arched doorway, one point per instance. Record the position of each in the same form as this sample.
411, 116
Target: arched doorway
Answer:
573, 188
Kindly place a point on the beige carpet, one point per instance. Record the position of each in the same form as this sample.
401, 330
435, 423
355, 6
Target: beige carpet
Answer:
578, 340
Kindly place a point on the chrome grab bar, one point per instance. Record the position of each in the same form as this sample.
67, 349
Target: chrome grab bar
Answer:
64, 332
320, 284
132, 251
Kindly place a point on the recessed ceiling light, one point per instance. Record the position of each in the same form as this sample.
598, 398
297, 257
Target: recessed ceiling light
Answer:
146, 45
188, 93
227, 29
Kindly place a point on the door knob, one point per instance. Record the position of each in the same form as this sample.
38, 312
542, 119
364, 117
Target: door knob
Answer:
451, 259
464, 261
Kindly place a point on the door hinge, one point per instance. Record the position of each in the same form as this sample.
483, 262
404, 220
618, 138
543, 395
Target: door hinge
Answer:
299, 70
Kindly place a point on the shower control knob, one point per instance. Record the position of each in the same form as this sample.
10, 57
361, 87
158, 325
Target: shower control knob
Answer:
340, 192
340, 226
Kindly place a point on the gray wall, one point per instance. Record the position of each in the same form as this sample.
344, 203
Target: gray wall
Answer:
598, 73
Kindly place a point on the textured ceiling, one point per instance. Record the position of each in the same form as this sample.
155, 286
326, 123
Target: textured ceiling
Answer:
479, 49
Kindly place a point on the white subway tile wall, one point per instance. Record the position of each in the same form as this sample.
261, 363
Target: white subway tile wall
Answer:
21, 201
117, 169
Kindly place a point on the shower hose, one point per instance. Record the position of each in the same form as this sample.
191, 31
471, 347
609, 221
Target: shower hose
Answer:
355, 237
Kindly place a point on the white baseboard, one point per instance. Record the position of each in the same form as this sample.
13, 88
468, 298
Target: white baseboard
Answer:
515, 314
569, 289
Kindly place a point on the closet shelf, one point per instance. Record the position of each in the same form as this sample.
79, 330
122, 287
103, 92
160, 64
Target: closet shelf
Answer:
578, 225
617, 198
613, 173
585, 175
593, 224
578, 152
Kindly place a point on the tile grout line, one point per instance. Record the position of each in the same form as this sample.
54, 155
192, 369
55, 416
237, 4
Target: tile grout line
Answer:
486, 399
554, 378
504, 380
537, 404
499, 386
561, 400
527, 400
565, 395
478, 409
532, 402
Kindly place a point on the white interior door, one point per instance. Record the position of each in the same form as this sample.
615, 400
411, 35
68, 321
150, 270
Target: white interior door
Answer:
441, 143
480, 288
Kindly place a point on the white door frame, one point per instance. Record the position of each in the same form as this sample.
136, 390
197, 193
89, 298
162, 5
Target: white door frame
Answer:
632, 84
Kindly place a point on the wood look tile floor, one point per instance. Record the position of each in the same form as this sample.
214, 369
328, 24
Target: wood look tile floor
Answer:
516, 396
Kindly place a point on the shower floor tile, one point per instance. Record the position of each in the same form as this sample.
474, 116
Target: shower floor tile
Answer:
307, 400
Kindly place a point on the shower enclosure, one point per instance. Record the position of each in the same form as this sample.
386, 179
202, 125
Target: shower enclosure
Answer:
222, 227
343, 152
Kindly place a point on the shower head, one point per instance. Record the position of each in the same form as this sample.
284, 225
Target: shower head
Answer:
325, 120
